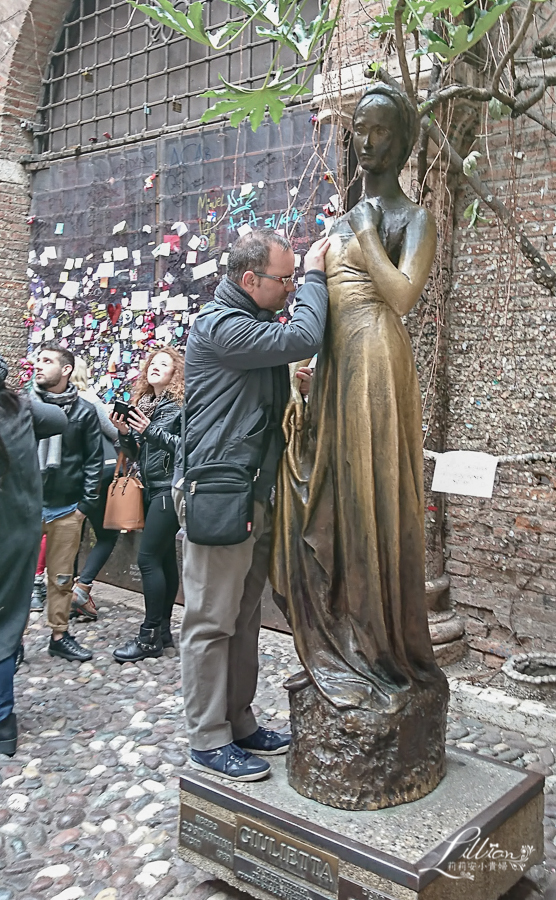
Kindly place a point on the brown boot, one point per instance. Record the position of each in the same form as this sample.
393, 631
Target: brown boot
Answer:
82, 604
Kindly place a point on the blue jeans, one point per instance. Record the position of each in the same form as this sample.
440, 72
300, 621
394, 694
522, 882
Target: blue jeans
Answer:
7, 672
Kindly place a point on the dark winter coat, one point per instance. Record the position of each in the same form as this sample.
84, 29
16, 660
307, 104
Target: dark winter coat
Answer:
77, 480
21, 512
156, 447
237, 380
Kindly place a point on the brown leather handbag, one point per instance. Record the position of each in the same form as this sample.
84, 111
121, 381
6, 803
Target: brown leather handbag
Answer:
124, 502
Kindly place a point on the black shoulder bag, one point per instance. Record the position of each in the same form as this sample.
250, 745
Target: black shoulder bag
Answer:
219, 501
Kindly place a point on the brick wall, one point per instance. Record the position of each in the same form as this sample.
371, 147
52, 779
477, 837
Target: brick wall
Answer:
27, 32
501, 552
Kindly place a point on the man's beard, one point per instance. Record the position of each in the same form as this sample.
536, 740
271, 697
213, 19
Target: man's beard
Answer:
48, 384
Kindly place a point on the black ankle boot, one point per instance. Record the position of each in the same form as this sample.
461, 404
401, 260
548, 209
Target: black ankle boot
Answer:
148, 643
8, 735
166, 634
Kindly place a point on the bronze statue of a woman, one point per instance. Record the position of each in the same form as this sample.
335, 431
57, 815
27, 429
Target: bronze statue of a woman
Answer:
368, 720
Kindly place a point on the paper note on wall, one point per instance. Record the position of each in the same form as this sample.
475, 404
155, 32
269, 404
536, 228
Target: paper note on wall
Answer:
105, 270
465, 472
139, 300
206, 268
69, 290
177, 303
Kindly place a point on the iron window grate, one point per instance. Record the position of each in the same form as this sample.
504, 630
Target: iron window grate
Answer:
116, 73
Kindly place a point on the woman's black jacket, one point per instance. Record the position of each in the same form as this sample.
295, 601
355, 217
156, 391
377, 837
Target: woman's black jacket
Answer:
156, 447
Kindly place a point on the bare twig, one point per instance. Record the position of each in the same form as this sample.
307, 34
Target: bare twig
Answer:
400, 47
515, 45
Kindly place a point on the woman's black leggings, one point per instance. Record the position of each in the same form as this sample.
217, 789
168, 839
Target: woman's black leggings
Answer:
157, 560
106, 538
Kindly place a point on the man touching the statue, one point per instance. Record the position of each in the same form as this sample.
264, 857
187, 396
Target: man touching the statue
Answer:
237, 388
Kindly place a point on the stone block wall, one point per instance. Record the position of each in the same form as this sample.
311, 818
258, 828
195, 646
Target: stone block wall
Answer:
28, 30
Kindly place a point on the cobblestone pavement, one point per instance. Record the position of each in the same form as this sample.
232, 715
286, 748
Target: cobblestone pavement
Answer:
88, 805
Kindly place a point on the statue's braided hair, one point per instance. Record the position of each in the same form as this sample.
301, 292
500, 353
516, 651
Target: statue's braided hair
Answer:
408, 116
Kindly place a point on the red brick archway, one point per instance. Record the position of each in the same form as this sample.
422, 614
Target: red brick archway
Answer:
28, 29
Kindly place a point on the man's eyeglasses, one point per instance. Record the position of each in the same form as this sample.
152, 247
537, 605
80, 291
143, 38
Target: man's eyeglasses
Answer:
285, 279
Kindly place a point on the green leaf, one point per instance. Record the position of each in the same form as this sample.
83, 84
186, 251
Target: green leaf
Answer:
190, 24
497, 110
243, 103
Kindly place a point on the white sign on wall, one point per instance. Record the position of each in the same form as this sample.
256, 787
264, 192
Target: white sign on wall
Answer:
465, 472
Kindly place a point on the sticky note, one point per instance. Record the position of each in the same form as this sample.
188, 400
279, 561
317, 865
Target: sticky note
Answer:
245, 189
139, 300
206, 268
161, 250
49, 333
180, 228
60, 303
244, 229
69, 263
173, 240
78, 262
59, 228
103, 282
179, 302
136, 254
119, 228
147, 229
120, 253
50, 252
69, 290
67, 330
191, 257
224, 259
105, 270
194, 241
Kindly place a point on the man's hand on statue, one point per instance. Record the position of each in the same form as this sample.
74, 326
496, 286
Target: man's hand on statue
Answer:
364, 216
314, 258
305, 373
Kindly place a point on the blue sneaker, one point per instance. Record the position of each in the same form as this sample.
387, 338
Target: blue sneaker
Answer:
231, 762
265, 743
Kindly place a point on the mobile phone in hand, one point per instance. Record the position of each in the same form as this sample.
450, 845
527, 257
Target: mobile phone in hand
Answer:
122, 409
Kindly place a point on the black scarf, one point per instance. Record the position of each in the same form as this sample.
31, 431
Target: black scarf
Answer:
231, 294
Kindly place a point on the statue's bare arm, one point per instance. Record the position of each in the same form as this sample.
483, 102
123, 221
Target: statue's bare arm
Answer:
400, 287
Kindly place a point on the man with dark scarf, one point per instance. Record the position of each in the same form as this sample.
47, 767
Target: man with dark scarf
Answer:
237, 387
71, 467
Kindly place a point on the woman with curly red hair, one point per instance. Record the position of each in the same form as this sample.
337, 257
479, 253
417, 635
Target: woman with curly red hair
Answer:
151, 435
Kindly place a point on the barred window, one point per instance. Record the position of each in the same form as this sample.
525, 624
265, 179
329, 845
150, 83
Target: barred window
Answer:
114, 72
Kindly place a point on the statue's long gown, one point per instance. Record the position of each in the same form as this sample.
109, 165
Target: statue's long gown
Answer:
349, 518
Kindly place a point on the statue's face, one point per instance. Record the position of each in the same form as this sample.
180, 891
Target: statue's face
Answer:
376, 135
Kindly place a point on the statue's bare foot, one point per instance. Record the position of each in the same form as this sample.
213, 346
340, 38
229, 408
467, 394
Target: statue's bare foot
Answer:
297, 682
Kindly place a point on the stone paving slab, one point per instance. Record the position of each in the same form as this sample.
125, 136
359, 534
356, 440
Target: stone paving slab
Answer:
89, 803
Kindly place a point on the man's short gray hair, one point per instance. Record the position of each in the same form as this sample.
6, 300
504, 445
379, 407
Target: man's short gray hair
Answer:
251, 252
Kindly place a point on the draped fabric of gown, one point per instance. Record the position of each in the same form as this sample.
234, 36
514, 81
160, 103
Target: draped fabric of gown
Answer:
349, 517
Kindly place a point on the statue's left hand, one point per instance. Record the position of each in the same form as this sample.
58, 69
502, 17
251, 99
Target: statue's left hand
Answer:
364, 216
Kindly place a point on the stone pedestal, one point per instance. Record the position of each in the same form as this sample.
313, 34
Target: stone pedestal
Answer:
471, 838
361, 759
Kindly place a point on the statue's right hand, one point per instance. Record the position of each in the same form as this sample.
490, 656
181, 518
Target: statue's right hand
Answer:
364, 216
314, 258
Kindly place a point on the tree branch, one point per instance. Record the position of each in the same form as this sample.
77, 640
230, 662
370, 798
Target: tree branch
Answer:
400, 47
515, 44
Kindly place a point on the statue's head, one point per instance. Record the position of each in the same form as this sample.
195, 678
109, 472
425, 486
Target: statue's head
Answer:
385, 127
